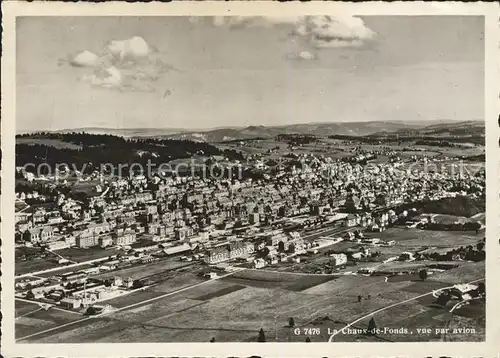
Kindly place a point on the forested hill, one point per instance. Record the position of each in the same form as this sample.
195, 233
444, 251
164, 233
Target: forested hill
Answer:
80, 149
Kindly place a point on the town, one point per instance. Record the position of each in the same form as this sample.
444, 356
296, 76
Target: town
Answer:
93, 244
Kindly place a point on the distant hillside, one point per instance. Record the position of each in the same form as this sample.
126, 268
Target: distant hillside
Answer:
127, 132
344, 129
123, 132
375, 128
466, 128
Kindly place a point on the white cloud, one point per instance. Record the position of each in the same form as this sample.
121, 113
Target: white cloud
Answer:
84, 59
303, 56
320, 31
110, 77
133, 48
334, 31
125, 65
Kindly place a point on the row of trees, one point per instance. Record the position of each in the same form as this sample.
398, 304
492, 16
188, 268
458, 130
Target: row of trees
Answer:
468, 253
98, 150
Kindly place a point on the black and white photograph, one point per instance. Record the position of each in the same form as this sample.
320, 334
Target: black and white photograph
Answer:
291, 178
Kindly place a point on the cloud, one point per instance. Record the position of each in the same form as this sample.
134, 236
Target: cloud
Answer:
125, 65
110, 77
84, 59
132, 49
317, 31
333, 31
303, 56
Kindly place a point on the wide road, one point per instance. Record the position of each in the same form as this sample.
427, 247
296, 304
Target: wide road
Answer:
127, 307
391, 306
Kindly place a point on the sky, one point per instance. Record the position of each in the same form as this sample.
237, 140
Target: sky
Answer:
192, 73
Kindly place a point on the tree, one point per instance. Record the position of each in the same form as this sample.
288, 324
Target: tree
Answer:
481, 288
91, 311
30, 295
372, 327
137, 284
308, 340
422, 274
262, 336
291, 322
443, 299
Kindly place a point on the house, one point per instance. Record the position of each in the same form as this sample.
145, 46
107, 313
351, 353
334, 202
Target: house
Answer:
98, 228
273, 260
357, 255
184, 248
339, 260
57, 245
38, 234
406, 256
38, 216
23, 225
350, 220
129, 282
71, 302
253, 218
226, 251
349, 236
124, 238
143, 197
84, 241
105, 241
183, 233
70, 240
259, 263
320, 209
371, 241
210, 275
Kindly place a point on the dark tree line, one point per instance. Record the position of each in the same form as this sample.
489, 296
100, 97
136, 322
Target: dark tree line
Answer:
296, 139
100, 149
438, 141
459, 206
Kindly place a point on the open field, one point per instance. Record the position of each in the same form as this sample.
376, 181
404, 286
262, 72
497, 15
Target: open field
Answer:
137, 272
23, 307
264, 299
415, 238
37, 263
465, 272
64, 270
406, 240
41, 320
81, 255
335, 148
423, 314
269, 279
33, 265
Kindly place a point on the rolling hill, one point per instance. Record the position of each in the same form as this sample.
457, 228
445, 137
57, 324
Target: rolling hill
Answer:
346, 128
375, 128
